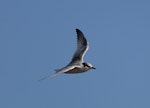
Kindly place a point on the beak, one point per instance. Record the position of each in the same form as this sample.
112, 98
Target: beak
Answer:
93, 68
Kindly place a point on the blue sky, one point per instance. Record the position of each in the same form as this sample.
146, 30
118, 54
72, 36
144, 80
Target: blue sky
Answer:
38, 36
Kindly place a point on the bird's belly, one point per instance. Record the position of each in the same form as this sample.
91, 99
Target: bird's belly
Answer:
76, 70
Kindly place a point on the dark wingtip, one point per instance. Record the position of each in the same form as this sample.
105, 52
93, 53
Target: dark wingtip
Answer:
81, 36
77, 30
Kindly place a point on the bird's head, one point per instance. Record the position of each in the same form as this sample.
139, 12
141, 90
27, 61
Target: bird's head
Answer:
88, 65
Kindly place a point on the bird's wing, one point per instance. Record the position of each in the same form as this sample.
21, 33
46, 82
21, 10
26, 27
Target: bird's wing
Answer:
60, 71
82, 47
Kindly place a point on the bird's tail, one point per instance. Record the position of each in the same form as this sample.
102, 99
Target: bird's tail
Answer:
47, 77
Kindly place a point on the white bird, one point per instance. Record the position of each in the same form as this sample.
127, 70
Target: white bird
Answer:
77, 65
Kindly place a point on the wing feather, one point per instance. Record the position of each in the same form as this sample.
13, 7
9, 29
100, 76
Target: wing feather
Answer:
82, 47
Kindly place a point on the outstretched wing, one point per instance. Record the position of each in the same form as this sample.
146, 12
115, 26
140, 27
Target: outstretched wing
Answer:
60, 71
82, 47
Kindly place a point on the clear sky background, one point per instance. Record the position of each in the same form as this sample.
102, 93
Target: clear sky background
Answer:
38, 36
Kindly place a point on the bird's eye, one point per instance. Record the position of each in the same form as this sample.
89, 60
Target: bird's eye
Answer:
85, 65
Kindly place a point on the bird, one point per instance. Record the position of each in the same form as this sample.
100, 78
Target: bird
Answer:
77, 64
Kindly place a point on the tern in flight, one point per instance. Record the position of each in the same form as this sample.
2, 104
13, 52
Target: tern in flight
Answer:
76, 65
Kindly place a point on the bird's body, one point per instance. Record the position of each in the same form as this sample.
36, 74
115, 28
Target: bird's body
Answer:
77, 65
77, 69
